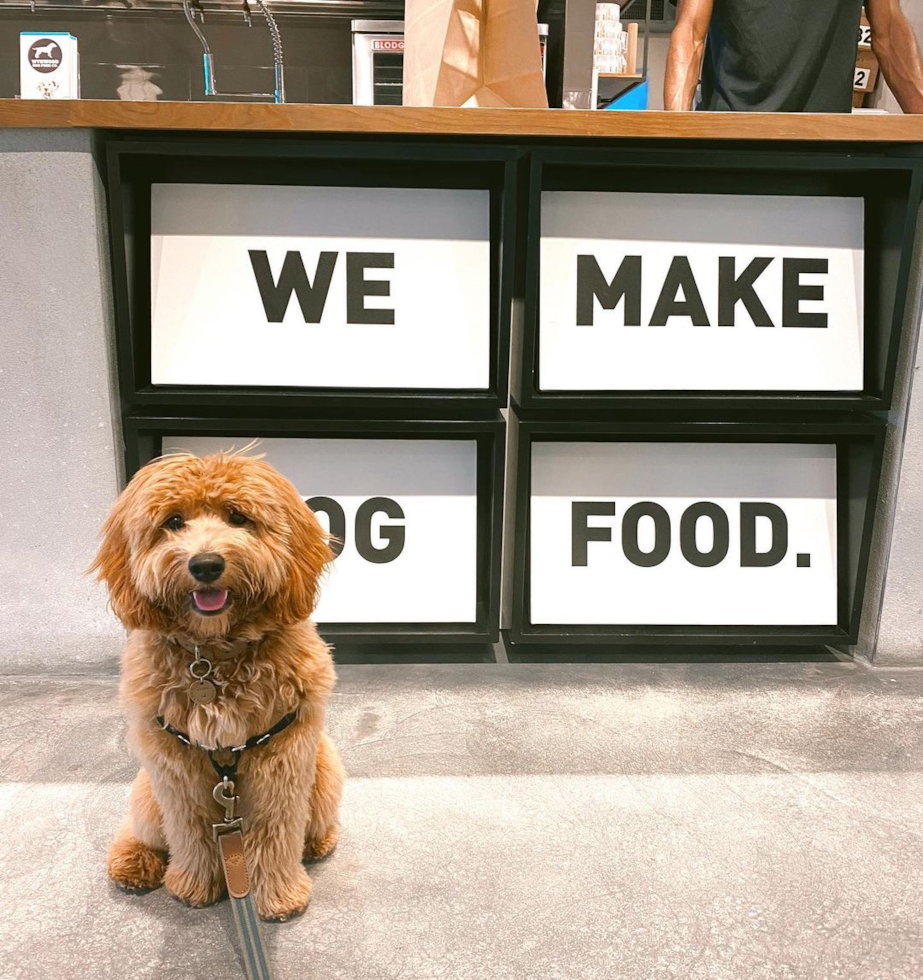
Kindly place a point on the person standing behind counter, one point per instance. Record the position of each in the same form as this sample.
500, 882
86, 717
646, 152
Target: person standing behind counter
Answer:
786, 55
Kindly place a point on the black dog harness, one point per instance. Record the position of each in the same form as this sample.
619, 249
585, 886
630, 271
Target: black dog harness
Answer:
228, 771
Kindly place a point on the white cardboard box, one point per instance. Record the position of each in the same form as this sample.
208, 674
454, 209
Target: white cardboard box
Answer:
49, 66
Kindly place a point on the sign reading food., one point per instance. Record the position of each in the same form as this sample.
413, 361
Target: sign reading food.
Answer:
685, 534
693, 292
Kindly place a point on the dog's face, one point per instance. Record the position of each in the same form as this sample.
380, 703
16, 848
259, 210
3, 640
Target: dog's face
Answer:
202, 545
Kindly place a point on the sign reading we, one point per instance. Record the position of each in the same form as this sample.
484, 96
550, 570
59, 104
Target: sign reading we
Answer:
691, 292
320, 286
294, 282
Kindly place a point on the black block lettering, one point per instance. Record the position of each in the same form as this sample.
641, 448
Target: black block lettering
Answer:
793, 292
720, 534
680, 277
393, 534
293, 278
337, 519
581, 533
358, 287
732, 291
592, 285
646, 559
749, 556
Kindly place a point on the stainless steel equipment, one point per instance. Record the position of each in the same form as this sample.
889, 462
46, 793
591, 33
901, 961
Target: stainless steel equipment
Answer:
378, 62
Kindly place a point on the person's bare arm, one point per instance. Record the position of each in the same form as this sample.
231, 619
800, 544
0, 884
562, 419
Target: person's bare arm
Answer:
897, 52
684, 59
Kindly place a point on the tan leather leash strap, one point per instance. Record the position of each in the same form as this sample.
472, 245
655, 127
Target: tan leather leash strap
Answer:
228, 836
237, 877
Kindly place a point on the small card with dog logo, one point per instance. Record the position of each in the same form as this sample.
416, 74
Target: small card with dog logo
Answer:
49, 67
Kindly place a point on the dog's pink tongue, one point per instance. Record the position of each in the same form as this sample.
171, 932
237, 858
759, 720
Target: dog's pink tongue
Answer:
208, 600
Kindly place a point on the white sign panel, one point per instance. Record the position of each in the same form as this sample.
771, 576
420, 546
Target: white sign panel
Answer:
695, 292
405, 510
684, 534
354, 287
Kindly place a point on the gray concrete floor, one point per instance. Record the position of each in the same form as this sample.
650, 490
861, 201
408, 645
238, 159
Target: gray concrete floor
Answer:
518, 821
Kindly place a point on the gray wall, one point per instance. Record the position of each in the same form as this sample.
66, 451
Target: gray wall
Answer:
900, 632
58, 439
891, 614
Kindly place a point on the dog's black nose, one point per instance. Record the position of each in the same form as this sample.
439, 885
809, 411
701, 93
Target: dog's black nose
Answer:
206, 567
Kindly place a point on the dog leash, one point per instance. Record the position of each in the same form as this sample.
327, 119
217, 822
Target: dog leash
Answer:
230, 840
229, 837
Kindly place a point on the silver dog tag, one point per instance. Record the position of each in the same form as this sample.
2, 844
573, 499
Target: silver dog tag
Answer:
202, 692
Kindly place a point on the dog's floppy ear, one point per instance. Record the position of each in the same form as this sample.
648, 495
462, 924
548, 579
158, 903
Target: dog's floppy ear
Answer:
112, 565
310, 552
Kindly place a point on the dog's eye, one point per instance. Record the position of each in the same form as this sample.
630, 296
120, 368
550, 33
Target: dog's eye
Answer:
174, 522
238, 519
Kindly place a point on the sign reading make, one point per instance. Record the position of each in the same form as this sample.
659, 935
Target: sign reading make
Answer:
320, 286
404, 512
683, 534
693, 292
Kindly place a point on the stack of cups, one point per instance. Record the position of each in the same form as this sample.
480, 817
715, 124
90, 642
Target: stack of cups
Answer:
610, 46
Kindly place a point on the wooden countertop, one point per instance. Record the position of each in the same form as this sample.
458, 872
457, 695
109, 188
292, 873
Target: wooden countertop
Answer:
560, 123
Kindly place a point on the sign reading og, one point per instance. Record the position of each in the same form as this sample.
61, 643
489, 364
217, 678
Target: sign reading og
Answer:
683, 534
692, 292
320, 286
404, 512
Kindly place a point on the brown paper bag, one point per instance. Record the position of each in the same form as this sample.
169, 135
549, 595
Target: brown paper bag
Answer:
472, 53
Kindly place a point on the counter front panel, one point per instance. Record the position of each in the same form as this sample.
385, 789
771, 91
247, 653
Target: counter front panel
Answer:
693, 532
699, 336
325, 276
696, 279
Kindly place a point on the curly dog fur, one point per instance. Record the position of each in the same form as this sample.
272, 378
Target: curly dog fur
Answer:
274, 552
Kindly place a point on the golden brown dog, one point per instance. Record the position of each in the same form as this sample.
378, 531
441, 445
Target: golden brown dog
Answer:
223, 554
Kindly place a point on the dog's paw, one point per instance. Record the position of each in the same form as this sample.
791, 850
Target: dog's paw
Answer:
134, 866
195, 891
315, 849
278, 901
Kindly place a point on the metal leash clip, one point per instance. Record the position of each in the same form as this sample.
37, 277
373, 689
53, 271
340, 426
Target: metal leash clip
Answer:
224, 794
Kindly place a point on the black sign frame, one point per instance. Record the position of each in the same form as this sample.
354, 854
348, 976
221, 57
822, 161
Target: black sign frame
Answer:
133, 165
143, 436
860, 448
890, 183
